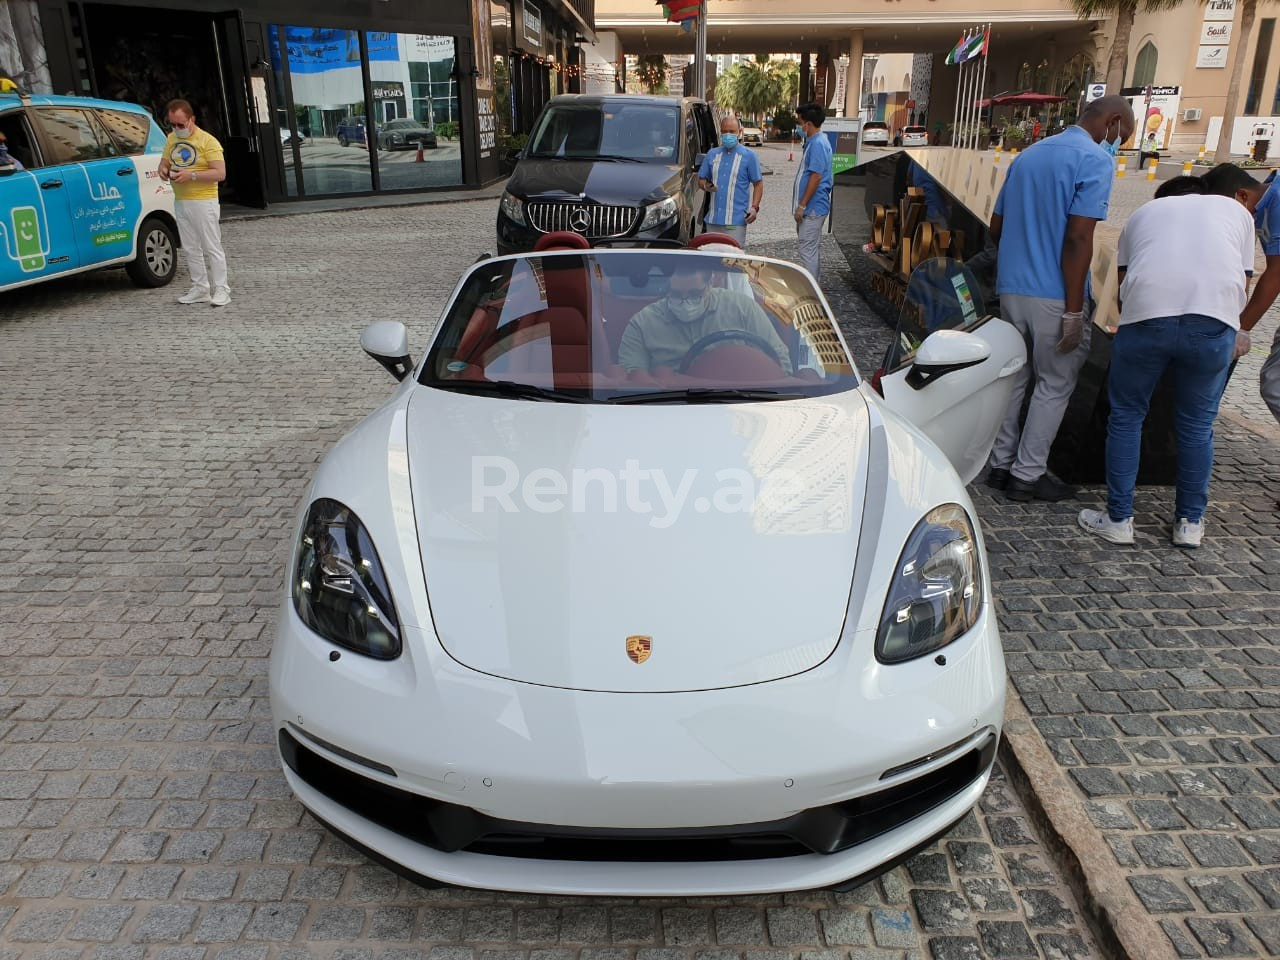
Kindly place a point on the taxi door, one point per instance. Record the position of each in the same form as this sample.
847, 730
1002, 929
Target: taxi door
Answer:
35, 215
102, 186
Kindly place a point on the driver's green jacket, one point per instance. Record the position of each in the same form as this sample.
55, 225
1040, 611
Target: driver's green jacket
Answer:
655, 338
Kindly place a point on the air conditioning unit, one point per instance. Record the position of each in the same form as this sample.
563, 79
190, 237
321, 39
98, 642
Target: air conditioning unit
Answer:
1191, 113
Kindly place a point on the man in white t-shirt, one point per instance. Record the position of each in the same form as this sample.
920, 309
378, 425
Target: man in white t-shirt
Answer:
1184, 262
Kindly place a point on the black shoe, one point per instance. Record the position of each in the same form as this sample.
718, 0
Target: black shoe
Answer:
1046, 488
998, 478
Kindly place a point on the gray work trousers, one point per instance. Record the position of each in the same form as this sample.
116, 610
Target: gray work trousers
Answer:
809, 236
1270, 383
1023, 449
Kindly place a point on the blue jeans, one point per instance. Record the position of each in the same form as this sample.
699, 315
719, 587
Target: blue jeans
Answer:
1197, 350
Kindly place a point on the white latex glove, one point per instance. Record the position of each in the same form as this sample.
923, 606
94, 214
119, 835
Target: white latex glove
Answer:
1072, 331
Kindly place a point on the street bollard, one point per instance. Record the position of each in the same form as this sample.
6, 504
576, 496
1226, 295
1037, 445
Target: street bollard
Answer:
997, 160
1186, 168
1120, 163
1151, 169
1202, 152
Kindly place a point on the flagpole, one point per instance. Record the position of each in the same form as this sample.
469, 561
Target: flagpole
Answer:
977, 95
986, 55
955, 115
968, 92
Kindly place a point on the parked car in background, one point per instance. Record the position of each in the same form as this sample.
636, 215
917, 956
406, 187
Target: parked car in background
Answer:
85, 191
875, 133
288, 139
613, 167
915, 137
351, 129
753, 136
405, 134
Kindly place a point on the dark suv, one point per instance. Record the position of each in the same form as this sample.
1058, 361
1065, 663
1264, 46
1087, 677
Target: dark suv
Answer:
609, 167
351, 130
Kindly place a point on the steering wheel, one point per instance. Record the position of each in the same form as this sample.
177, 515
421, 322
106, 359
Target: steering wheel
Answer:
721, 336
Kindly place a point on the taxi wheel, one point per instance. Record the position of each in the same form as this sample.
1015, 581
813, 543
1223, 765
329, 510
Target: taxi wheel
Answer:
157, 255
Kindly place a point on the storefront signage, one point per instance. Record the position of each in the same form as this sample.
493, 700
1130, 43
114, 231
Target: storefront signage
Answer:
420, 48
319, 49
1215, 34
388, 90
1212, 57
487, 124
1220, 10
1096, 92
531, 19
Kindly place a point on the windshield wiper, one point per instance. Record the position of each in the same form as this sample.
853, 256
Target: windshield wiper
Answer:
510, 388
703, 395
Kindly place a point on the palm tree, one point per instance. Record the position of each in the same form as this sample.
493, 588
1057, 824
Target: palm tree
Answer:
1124, 11
651, 70
752, 88
1248, 10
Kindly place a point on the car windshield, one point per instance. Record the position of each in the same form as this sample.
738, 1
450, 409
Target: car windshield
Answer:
627, 326
625, 131
876, 125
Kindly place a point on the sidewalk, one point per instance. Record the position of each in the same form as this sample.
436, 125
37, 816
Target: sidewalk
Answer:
294, 208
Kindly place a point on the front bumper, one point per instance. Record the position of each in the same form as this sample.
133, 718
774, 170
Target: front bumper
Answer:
709, 774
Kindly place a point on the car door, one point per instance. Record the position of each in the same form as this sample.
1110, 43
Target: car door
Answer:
952, 369
36, 230
102, 186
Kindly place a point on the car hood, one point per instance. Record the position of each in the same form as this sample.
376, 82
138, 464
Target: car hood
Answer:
613, 182
724, 534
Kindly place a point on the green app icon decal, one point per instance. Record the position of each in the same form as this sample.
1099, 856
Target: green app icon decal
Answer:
26, 233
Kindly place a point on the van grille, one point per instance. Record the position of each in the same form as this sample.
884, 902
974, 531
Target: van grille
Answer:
602, 221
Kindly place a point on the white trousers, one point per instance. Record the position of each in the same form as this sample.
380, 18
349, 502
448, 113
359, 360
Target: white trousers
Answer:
736, 230
201, 236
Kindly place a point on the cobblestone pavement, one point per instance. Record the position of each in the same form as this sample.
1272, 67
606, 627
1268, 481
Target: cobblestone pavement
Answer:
151, 457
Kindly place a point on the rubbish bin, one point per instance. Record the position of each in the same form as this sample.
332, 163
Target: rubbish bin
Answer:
1260, 148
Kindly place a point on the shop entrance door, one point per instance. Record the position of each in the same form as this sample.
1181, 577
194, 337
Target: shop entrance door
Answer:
150, 56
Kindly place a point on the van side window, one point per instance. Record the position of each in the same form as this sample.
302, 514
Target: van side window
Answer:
692, 140
18, 138
129, 130
73, 136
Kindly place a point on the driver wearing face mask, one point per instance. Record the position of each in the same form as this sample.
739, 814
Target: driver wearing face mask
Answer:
661, 335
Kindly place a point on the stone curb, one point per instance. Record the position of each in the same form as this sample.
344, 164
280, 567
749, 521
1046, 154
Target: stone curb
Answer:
1123, 929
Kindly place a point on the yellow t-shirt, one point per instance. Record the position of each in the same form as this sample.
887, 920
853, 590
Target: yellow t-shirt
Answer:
193, 153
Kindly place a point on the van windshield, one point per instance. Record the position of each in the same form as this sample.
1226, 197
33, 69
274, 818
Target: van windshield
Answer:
608, 131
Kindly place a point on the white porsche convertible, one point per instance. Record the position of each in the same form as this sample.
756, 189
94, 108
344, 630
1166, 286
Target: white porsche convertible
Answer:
635, 587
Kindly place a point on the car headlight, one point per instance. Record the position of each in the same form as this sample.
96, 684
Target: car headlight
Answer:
339, 588
656, 213
936, 593
512, 208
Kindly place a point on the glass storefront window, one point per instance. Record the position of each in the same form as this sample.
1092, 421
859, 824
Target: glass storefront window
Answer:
326, 87
415, 100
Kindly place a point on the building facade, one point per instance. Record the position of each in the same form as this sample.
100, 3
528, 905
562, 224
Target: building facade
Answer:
308, 97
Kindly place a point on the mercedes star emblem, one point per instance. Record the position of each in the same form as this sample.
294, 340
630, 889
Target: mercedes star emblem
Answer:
580, 220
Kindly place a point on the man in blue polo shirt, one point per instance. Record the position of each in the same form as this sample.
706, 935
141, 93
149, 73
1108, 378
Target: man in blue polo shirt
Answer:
1267, 219
1053, 196
731, 174
812, 194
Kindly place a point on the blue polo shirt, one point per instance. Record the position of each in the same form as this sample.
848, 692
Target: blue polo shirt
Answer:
1267, 219
733, 172
816, 159
1064, 176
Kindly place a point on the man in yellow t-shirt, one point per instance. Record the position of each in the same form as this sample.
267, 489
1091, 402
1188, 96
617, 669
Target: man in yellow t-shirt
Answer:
193, 163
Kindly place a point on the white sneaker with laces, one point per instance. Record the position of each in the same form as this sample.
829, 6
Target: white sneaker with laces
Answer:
221, 297
195, 295
1187, 533
1099, 522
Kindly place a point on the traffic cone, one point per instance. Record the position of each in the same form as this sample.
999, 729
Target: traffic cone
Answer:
418, 158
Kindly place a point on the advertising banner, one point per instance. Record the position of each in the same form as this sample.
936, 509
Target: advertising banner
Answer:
1156, 120
1220, 10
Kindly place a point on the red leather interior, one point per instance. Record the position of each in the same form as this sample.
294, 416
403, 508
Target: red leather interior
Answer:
730, 362
561, 240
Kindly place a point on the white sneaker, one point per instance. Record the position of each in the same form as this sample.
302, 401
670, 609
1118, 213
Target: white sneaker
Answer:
1188, 534
195, 295
221, 297
1099, 522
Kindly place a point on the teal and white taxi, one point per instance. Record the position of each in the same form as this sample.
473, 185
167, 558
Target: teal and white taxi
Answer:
80, 189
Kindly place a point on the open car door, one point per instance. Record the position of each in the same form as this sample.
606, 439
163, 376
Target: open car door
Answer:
950, 370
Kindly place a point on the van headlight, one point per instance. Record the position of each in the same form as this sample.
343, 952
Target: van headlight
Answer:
339, 588
656, 213
936, 593
512, 208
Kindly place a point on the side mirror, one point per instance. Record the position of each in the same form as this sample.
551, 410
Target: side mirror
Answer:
942, 352
387, 341
513, 156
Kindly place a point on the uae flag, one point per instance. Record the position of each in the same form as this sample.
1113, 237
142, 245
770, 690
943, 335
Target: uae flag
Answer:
677, 11
970, 46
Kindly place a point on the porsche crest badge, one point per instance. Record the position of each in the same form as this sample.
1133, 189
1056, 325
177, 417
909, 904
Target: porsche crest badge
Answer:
639, 648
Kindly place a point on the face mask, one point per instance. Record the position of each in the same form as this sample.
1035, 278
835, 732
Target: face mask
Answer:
182, 133
728, 140
687, 311
1114, 145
